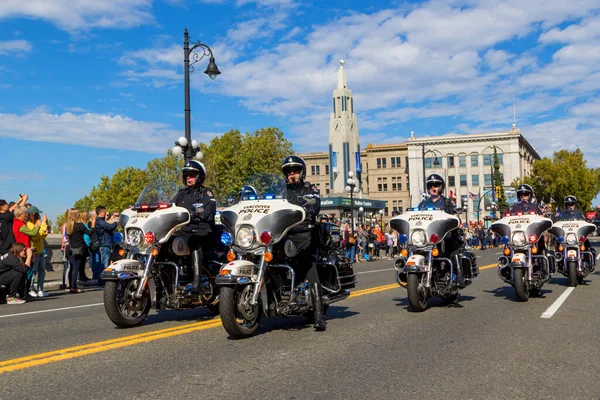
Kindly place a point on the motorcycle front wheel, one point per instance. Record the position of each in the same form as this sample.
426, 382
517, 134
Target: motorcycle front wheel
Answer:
519, 284
240, 319
572, 268
122, 308
417, 294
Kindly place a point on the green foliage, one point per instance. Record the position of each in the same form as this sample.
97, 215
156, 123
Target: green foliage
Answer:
233, 157
498, 180
229, 159
565, 174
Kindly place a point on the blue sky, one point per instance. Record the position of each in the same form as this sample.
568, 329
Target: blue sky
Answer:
91, 86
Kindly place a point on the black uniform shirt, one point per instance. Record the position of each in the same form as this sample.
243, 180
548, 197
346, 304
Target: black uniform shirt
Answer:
202, 206
573, 215
525, 207
442, 203
308, 197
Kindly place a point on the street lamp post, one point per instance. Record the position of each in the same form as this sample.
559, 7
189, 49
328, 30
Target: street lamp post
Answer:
187, 146
351, 188
436, 164
360, 215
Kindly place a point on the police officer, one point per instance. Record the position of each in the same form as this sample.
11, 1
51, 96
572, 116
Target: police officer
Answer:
436, 199
305, 195
526, 204
453, 242
571, 212
200, 233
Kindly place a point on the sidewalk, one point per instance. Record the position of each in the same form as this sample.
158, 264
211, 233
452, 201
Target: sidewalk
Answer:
54, 279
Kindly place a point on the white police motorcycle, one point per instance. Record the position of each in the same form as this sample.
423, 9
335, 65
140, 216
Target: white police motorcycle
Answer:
422, 269
574, 256
522, 265
258, 281
157, 269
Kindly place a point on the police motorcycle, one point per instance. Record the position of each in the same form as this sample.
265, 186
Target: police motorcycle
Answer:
157, 269
574, 258
258, 281
521, 265
422, 269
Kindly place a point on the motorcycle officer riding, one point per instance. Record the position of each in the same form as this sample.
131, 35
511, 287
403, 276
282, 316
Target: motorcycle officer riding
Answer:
305, 195
454, 242
572, 213
200, 232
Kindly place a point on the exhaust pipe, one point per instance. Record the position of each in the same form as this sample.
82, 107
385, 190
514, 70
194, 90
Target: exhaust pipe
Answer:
333, 298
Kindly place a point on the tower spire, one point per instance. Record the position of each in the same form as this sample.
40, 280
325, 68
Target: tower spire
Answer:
342, 76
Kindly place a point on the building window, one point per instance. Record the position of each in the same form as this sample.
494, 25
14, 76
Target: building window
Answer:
400, 209
384, 162
462, 161
487, 179
475, 180
433, 162
474, 160
327, 170
312, 169
379, 163
450, 161
327, 188
487, 159
500, 158
343, 103
451, 181
396, 162
463, 180
333, 106
385, 187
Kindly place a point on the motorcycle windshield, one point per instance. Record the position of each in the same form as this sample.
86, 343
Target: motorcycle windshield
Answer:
262, 207
579, 228
527, 224
156, 193
429, 222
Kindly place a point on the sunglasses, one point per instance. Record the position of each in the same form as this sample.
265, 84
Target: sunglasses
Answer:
293, 170
435, 185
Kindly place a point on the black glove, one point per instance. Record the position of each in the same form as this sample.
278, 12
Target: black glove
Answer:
197, 217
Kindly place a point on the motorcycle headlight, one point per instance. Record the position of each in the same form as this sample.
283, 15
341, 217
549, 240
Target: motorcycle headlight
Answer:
134, 237
245, 237
519, 238
418, 238
571, 238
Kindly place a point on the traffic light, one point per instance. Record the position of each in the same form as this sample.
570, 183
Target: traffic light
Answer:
498, 192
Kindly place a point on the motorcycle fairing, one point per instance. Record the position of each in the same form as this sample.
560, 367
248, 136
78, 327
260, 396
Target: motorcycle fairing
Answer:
162, 222
274, 216
580, 228
435, 221
528, 224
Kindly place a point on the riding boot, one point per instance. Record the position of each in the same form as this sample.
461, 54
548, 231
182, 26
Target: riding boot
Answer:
194, 288
320, 324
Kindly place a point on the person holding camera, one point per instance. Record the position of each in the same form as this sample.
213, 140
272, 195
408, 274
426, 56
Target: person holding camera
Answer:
105, 230
13, 271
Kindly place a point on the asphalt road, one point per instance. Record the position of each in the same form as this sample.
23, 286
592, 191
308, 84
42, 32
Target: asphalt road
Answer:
485, 346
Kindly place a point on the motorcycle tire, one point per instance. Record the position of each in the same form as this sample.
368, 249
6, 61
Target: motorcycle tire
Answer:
234, 323
417, 296
572, 271
116, 313
519, 284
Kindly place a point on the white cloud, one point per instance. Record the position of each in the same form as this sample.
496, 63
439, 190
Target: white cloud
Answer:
76, 15
18, 47
92, 130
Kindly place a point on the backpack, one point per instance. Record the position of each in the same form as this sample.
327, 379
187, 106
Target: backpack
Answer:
94, 241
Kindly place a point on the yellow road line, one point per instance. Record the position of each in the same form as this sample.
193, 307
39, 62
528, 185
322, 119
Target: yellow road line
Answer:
16, 364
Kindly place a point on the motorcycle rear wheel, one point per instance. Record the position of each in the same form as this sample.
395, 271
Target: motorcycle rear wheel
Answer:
519, 284
417, 294
572, 268
121, 307
237, 325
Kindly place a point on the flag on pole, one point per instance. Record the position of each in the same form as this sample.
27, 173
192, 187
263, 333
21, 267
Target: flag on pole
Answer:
473, 196
452, 195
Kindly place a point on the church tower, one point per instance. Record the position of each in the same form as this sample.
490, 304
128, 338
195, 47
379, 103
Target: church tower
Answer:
344, 147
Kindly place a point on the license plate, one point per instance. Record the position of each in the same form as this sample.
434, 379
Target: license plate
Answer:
516, 259
572, 253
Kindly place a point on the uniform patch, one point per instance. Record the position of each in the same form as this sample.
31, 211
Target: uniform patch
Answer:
209, 193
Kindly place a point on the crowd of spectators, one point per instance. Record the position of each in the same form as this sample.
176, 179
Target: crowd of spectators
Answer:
23, 230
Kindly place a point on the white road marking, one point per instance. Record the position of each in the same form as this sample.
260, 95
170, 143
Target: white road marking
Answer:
377, 270
54, 309
556, 305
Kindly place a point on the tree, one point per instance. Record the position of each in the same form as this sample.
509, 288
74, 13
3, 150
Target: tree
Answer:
565, 174
498, 180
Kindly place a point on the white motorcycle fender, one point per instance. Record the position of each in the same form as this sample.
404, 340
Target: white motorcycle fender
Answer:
417, 263
520, 258
240, 268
